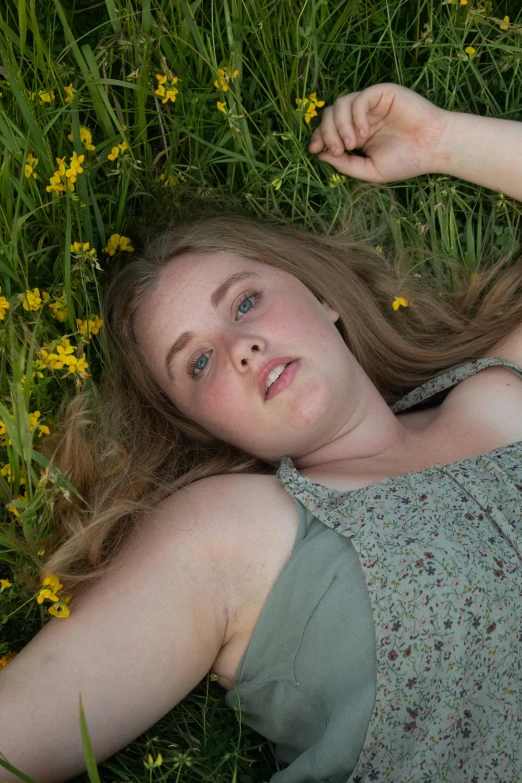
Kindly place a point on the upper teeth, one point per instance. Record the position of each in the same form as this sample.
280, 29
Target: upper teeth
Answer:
274, 375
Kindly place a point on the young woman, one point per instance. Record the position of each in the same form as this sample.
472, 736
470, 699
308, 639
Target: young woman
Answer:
294, 486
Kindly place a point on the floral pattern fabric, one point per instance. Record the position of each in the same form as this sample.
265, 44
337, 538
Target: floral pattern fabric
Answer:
441, 552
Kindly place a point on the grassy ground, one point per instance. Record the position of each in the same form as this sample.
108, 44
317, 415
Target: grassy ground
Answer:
95, 65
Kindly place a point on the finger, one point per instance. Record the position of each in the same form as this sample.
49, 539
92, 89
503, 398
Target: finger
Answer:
353, 166
342, 109
329, 132
374, 101
316, 142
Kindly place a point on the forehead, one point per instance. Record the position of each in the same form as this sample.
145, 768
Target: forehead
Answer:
208, 268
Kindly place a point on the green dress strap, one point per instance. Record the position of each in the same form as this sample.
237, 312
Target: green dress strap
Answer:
449, 378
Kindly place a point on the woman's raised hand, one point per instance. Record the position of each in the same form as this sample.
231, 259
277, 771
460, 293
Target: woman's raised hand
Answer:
399, 132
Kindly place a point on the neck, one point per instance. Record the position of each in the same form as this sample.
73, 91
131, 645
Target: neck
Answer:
373, 434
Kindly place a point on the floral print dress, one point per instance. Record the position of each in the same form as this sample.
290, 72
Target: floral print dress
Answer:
441, 552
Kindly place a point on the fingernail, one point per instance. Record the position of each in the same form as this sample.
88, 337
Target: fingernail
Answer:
333, 149
347, 141
362, 132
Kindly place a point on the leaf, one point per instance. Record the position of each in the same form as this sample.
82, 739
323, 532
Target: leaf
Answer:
90, 761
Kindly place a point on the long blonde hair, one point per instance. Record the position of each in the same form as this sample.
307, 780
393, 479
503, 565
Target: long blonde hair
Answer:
127, 446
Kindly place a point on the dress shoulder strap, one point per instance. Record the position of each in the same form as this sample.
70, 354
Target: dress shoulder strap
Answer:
450, 378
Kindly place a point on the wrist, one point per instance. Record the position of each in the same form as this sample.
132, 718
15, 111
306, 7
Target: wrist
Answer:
444, 155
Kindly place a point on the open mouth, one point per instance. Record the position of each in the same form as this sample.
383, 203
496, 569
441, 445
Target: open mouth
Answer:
284, 380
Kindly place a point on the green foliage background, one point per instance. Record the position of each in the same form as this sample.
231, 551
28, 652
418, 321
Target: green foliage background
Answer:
254, 156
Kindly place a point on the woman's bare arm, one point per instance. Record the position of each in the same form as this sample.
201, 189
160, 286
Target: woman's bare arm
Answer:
483, 150
404, 135
134, 645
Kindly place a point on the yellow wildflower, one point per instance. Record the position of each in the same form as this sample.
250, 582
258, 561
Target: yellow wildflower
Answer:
309, 105
4, 584
166, 89
117, 242
60, 608
335, 180
115, 151
53, 582
32, 300
85, 138
7, 658
46, 96
151, 764
276, 183
83, 247
59, 309
171, 179
69, 91
2, 427
61, 179
225, 76
505, 24
56, 361
4, 305
470, 50
46, 594
30, 165
75, 167
463, 2
89, 327
33, 422
14, 510
221, 106
399, 302
7, 472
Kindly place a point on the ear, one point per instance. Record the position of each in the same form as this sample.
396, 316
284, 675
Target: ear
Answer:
334, 315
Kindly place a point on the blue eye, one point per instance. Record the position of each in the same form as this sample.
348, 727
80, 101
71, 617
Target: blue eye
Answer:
195, 364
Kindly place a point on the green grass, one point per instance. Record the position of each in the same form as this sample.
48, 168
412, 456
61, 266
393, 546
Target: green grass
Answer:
111, 51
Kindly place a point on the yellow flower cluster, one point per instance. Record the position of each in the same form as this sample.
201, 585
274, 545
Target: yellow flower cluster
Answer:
470, 50
64, 178
115, 151
85, 138
59, 308
89, 327
46, 96
4, 306
6, 471
30, 165
225, 76
83, 247
335, 180
69, 91
62, 356
50, 588
505, 24
276, 183
171, 179
399, 302
33, 422
166, 89
8, 657
14, 510
32, 300
117, 242
309, 105
151, 764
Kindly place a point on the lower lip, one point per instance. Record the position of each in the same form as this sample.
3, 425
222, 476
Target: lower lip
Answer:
284, 380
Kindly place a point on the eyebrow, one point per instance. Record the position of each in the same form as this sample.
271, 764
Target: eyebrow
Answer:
215, 300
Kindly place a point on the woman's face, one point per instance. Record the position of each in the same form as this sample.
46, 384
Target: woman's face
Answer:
216, 374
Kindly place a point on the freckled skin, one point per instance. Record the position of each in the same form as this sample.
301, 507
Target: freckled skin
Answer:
314, 419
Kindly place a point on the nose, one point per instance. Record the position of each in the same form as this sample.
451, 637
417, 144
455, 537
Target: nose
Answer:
246, 351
